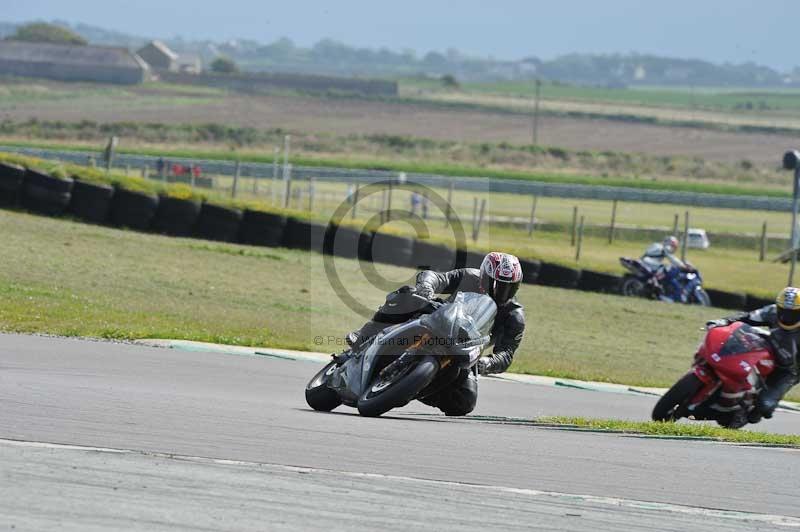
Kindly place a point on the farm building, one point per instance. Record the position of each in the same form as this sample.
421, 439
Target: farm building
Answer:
68, 62
159, 56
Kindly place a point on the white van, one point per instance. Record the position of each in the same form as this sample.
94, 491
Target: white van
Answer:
698, 239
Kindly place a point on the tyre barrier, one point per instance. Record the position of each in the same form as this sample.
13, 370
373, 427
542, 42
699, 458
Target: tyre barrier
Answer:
605, 283
45, 194
530, 270
302, 234
176, 216
755, 302
132, 209
218, 223
559, 276
723, 299
262, 228
11, 180
428, 256
346, 242
473, 259
91, 202
391, 249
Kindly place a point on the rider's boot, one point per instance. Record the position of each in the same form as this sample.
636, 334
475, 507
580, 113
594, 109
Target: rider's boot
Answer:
737, 420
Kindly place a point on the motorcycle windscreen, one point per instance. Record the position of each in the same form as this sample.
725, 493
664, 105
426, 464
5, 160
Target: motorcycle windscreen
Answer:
744, 339
465, 323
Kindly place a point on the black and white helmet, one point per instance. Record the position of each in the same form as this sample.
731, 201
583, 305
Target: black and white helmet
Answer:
501, 275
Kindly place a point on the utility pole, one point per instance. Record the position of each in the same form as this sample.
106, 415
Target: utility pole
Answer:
535, 125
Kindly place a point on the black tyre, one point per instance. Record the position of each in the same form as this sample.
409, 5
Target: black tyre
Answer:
301, 234
428, 256
262, 228
632, 287
672, 403
391, 249
592, 281
755, 302
530, 270
700, 297
133, 209
723, 299
346, 242
473, 259
91, 202
11, 180
218, 223
560, 276
318, 395
46, 194
176, 217
382, 396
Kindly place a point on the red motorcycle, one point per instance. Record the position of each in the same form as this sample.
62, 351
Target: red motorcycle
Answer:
728, 373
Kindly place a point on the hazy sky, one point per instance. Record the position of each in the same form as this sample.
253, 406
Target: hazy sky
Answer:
716, 30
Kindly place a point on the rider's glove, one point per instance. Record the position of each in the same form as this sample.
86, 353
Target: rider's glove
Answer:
425, 290
717, 323
483, 365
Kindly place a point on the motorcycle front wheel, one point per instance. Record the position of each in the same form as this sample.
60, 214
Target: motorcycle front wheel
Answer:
669, 407
318, 395
399, 390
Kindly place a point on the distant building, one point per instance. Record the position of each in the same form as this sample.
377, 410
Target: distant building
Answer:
190, 63
159, 56
69, 62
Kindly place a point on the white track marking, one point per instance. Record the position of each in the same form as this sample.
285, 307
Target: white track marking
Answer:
767, 519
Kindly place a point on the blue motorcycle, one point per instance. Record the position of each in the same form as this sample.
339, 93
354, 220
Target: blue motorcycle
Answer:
675, 285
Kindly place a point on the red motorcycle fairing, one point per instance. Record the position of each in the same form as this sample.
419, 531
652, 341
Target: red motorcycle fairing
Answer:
735, 357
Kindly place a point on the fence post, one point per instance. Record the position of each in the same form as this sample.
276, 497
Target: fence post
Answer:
389, 207
311, 190
191, 174
145, 172
425, 205
574, 225
355, 200
127, 170
613, 222
274, 185
580, 241
236, 173
685, 235
675, 225
476, 228
449, 208
288, 177
383, 206
533, 216
474, 213
763, 250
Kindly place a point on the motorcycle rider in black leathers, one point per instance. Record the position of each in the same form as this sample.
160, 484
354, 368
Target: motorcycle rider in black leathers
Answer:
499, 276
783, 319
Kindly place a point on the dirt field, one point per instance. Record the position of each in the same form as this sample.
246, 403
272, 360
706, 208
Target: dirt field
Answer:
342, 116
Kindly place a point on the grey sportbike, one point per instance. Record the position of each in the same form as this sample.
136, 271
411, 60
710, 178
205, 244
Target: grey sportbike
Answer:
407, 361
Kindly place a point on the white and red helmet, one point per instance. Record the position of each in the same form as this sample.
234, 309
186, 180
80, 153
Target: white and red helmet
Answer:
501, 275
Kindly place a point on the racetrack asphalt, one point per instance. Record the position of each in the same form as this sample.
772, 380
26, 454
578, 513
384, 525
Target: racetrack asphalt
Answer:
98, 435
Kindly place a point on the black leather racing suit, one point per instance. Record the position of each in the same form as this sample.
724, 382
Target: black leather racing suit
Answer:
461, 396
785, 343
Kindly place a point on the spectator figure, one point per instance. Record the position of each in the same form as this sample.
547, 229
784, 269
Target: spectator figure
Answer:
425, 206
160, 166
415, 201
196, 171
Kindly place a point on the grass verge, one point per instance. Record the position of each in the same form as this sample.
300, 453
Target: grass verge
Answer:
676, 430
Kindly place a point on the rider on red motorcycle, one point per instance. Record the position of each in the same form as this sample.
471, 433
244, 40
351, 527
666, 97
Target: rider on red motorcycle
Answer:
783, 319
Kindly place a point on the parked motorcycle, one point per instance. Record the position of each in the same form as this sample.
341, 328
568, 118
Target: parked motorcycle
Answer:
729, 371
408, 361
677, 285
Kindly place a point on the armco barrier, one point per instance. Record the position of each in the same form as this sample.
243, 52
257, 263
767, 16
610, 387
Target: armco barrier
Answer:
478, 184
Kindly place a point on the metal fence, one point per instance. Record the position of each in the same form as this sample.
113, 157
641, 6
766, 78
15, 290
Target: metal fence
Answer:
478, 184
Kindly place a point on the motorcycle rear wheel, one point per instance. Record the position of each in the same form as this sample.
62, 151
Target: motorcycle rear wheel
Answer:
671, 403
382, 396
632, 287
318, 395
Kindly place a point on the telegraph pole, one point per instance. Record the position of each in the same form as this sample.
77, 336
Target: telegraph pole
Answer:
535, 125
